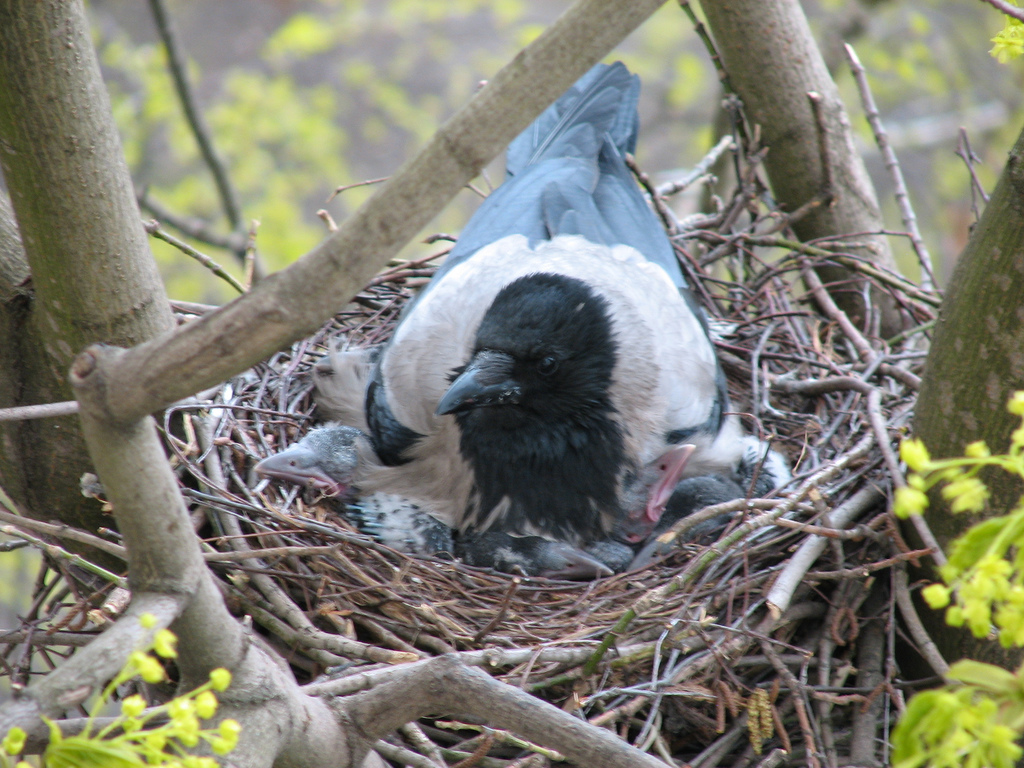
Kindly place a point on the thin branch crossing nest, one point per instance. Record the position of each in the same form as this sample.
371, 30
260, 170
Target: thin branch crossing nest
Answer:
779, 635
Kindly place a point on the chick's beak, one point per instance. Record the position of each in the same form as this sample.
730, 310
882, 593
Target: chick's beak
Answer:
671, 465
300, 466
487, 380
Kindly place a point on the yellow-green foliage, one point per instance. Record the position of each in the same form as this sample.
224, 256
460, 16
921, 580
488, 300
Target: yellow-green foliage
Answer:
985, 574
1009, 43
972, 722
975, 720
133, 740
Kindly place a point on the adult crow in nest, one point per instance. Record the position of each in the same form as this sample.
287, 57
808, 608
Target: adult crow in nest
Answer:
554, 358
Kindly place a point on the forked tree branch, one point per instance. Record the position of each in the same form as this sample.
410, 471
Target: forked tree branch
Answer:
445, 683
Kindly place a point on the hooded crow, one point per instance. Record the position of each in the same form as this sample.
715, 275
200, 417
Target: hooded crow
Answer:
556, 355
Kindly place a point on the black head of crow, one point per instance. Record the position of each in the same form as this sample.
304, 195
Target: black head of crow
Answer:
556, 354
534, 408
545, 348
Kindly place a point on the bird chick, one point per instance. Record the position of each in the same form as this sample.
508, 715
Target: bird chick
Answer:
330, 458
760, 471
326, 459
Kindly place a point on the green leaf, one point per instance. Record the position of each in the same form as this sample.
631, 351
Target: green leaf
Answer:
986, 676
970, 547
81, 752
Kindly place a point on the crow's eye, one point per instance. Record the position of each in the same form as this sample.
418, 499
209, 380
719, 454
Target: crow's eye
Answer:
547, 365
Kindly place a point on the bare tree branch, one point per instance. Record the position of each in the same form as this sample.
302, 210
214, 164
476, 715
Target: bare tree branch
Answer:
169, 37
893, 166
44, 411
445, 683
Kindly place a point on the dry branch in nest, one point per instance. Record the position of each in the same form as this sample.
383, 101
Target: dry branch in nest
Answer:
780, 635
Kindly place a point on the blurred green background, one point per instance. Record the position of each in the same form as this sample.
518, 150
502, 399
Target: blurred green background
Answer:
303, 96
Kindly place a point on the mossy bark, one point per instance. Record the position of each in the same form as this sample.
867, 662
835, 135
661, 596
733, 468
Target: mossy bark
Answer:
92, 276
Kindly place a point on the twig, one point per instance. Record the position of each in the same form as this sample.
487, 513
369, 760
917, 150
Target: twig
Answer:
419, 739
69, 639
893, 166
690, 522
153, 228
796, 690
830, 308
45, 411
668, 220
815, 387
61, 531
716, 60
871, 270
345, 187
778, 599
925, 645
404, 756
191, 307
699, 170
490, 658
863, 571
250, 264
882, 436
1008, 8
502, 736
898, 480
288, 551
228, 197
773, 759
194, 227
867, 718
827, 191
62, 554
336, 649
964, 151
327, 219
502, 610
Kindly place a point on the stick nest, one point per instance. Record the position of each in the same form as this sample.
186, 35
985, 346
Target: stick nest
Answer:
702, 668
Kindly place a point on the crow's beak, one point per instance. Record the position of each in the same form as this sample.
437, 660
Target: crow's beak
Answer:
487, 380
299, 465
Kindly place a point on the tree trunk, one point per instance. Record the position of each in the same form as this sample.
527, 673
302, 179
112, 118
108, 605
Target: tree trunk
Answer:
93, 278
773, 62
976, 359
975, 363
